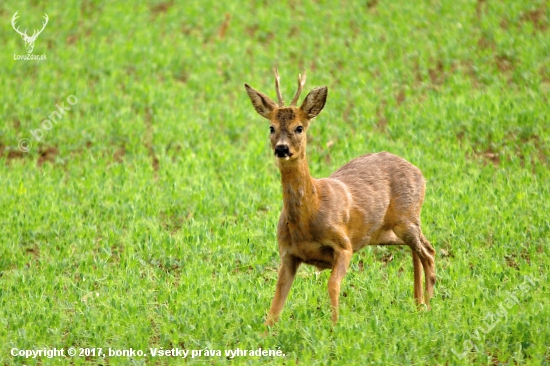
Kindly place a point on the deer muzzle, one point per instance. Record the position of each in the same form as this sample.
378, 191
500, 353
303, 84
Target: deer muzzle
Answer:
282, 151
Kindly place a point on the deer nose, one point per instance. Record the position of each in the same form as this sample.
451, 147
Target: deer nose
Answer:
282, 151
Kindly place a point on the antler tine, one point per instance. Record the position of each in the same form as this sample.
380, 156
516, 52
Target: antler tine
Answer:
301, 83
43, 24
13, 20
278, 88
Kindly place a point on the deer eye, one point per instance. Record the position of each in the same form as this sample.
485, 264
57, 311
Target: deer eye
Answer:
299, 129
271, 129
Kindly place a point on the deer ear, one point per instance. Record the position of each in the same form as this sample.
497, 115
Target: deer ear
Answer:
314, 102
260, 101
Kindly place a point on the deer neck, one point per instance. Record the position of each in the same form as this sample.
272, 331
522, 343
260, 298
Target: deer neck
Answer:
299, 192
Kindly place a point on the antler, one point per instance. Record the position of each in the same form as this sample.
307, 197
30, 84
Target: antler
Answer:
301, 83
35, 34
278, 88
13, 19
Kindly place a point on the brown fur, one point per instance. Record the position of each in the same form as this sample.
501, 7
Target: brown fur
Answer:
374, 199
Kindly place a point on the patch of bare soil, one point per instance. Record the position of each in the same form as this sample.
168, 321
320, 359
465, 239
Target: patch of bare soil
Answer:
538, 17
225, 26
14, 155
47, 154
118, 156
161, 8
504, 63
149, 140
381, 119
495, 155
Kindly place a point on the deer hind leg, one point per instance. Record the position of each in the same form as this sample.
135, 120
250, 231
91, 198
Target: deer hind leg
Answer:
417, 267
430, 275
287, 272
423, 251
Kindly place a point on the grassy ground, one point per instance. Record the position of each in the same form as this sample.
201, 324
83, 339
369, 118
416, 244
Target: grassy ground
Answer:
145, 217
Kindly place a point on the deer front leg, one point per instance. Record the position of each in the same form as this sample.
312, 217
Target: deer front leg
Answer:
341, 262
287, 272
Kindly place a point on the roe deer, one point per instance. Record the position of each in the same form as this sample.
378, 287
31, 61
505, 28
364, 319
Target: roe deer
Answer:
374, 199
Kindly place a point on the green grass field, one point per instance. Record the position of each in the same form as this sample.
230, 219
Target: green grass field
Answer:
146, 216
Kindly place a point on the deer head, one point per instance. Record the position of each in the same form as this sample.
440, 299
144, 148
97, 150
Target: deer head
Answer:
288, 125
29, 41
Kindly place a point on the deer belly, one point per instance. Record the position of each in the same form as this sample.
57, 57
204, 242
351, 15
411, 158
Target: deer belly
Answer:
315, 254
387, 237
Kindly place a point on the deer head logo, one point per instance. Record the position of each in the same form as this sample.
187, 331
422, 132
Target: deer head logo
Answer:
29, 41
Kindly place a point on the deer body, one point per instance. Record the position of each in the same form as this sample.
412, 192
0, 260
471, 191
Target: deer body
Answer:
374, 199
356, 201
